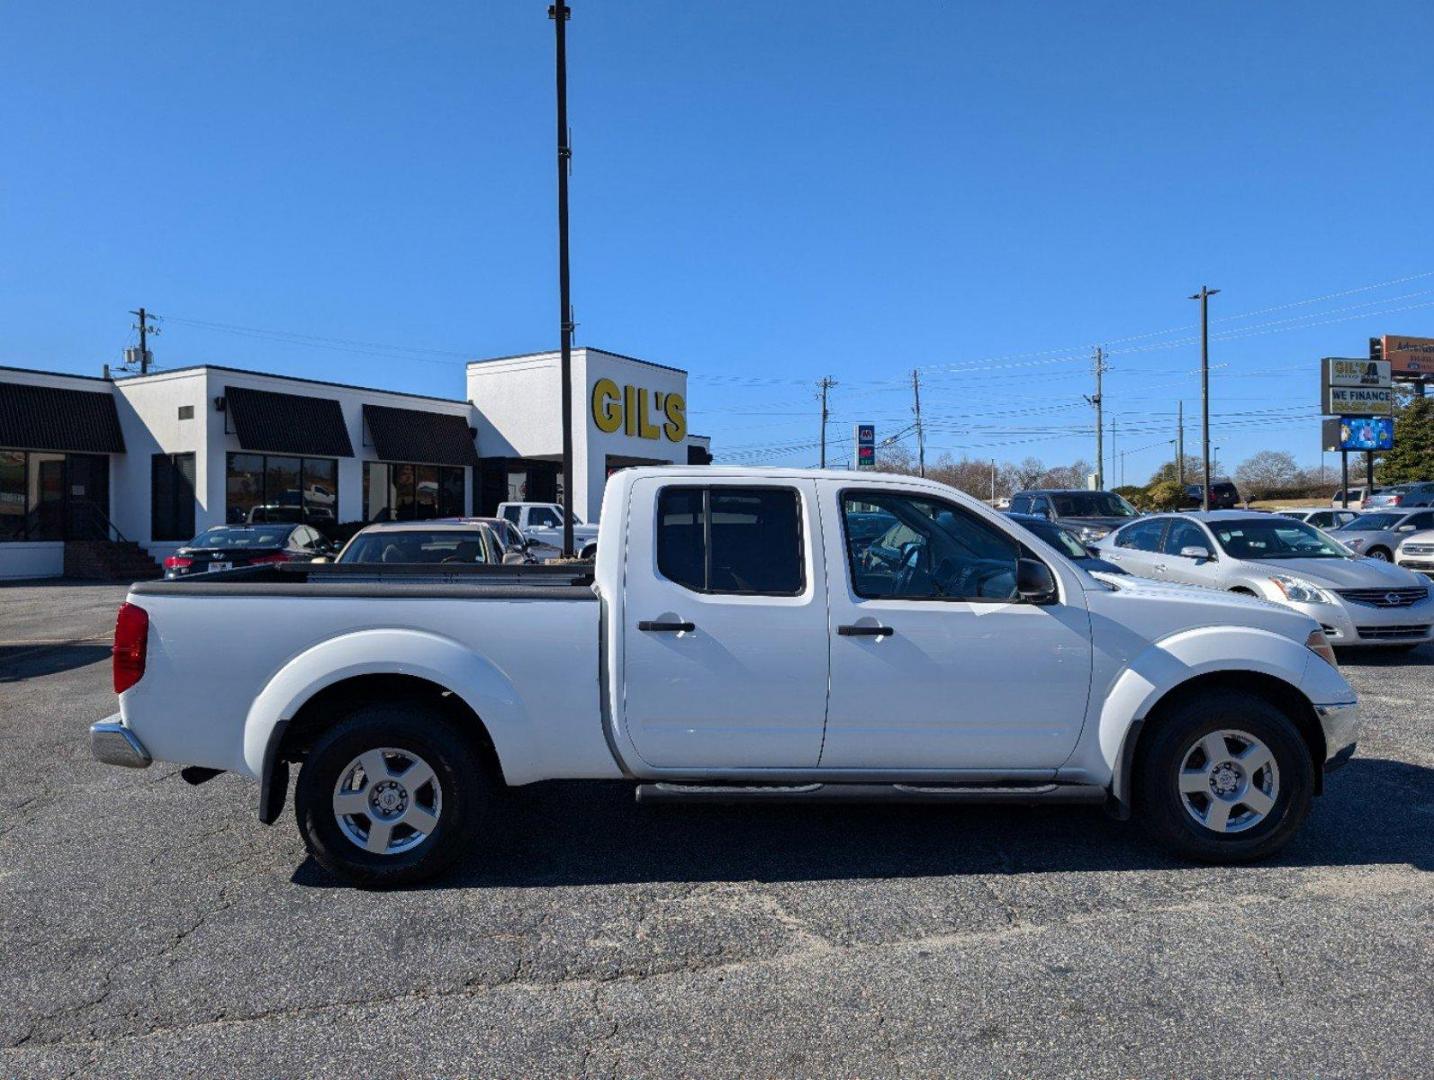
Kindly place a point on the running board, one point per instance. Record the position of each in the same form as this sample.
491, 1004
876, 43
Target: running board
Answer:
730, 794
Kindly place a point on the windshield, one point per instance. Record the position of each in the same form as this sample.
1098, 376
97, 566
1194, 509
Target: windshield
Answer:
242, 538
1373, 522
1092, 504
1060, 539
1275, 538
415, 546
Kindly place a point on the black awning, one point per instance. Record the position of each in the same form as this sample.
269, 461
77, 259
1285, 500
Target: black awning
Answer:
416, 435
54, 418
287, 423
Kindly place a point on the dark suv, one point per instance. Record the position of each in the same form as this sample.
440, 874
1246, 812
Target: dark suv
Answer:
1088, 514
1223, 496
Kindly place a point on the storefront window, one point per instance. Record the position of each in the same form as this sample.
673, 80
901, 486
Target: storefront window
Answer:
408, 492
261, 487
12, 495
47, 497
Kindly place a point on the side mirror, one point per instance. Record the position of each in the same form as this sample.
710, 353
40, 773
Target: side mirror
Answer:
514, 558
321, 559
1405, 528
1034, 583
1195, 551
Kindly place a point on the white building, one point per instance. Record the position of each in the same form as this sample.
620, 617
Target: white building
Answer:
90, 464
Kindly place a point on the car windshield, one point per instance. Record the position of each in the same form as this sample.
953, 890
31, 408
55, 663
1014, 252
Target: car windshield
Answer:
1061, 539
1092, 504
415, 546
1373, 522
226, 539
1275, 538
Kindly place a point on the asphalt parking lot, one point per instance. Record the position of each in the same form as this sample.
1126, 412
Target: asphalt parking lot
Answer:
149, 927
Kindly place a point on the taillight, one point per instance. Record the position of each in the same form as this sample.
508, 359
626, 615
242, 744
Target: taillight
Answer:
278, 556
131, 640
178, 562
1396, 500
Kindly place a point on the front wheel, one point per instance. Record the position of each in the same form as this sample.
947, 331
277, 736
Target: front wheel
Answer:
390, 796
1225, 777
1379, 553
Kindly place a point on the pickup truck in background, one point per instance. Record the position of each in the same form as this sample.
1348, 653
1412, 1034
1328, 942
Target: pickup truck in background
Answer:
543, 522
744, 635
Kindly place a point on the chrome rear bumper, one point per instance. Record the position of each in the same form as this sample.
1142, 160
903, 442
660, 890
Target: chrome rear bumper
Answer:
115, 744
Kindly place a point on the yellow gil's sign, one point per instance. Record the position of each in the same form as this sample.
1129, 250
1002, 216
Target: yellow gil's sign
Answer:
627, 408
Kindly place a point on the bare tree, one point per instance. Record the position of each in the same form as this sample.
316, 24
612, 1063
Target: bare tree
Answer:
1267, 472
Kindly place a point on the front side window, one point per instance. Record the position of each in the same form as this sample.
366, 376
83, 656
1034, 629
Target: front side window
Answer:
542, 517
1184, 534
737, 541
1143, 536
933, 551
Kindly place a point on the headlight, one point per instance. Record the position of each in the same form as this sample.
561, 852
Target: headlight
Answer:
1354, 543
1089, 534
1298, 591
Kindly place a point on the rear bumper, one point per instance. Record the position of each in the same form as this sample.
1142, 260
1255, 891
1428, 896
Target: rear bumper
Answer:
1341, 727
115, 744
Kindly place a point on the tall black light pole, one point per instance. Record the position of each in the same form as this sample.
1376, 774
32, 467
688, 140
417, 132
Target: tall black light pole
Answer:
560, 13
1204, 297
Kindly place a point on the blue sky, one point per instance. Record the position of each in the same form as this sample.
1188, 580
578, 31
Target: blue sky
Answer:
762, 193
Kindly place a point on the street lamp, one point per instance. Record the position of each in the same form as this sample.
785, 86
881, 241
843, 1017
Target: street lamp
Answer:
1204, 297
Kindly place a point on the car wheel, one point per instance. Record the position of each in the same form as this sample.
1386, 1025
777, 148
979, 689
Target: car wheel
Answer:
589, 552
1224, 777
1382, 554
390, 796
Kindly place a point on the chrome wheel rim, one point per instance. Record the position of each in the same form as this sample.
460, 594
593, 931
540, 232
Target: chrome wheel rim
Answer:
387, 801
1229, 781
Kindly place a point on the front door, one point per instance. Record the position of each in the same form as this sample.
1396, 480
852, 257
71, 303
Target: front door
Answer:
966, 676
724, 630
89, 496
1183, 534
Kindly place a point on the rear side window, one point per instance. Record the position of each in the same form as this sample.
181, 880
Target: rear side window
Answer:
737, 541
511, 513
1142, 536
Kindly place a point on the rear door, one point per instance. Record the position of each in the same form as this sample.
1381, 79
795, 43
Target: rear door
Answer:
1136, 548
725, 652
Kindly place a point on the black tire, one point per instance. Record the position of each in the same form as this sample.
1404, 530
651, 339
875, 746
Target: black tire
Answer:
1161, 807
465, 793
1382, 554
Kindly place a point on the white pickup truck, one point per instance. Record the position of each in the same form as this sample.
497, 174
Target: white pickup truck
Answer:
543, 522
744, 635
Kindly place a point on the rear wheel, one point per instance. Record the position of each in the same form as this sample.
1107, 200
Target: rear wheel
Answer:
1382, 554
390, 796
1224, 777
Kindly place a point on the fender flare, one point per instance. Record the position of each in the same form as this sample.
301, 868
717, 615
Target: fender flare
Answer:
482, 686
1165, 666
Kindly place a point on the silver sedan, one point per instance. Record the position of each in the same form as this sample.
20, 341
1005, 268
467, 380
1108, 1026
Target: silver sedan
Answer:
1377, 533
1358, 601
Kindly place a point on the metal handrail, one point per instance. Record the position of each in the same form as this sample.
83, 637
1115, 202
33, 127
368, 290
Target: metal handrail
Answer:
104, 519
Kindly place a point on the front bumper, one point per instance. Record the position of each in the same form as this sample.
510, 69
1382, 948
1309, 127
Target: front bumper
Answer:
1351, 623
115, 744
1341, 727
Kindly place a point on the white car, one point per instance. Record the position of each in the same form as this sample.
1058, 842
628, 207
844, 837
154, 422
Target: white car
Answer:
1416, 552
1321, 517
745, 635
543, 522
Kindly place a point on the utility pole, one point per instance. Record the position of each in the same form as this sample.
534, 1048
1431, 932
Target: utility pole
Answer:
1204, 297
993, 481
825, 385
1100, 369
1112, 450
560, 13
1180, 447
144, 331
920, 431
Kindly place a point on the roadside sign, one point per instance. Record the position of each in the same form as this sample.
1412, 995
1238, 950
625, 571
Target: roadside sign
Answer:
1358, 433
1338, 371
864, 436
1357, 401
1409, 357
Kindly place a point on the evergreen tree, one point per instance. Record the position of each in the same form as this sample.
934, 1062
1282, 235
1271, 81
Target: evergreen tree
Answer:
1412, 458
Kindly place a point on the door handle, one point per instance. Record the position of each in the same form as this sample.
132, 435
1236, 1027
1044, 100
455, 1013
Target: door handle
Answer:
1161, 567
673, 627
865, 631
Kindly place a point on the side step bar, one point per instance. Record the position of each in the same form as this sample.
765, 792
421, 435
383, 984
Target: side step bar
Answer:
732, 794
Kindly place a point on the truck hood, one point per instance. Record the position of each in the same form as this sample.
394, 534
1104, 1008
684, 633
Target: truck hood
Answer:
1342, 573
1156, 609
